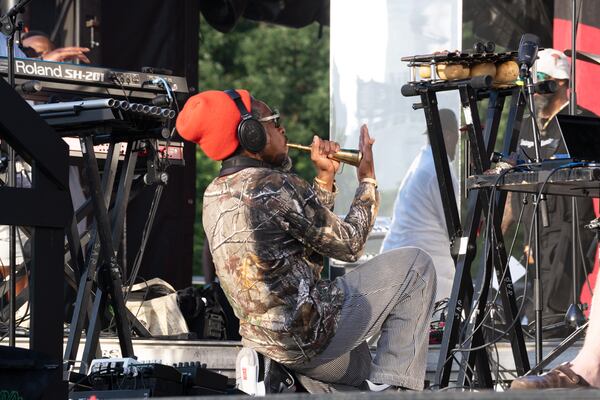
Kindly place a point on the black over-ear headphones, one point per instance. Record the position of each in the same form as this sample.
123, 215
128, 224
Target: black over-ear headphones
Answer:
250, 132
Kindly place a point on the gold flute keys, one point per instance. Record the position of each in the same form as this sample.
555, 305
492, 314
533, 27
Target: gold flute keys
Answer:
352, 157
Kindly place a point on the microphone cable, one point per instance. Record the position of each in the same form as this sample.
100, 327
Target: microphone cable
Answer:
460, 348
499, 337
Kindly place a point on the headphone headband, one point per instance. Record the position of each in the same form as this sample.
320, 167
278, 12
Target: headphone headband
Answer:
237, 99
251, 134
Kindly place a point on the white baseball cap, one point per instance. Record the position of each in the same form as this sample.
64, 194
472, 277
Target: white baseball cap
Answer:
554, 63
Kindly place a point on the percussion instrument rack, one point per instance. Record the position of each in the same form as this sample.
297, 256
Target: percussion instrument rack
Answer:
465, 336
459, 57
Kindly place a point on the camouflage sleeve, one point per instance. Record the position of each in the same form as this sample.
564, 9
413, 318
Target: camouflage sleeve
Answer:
326, 197
300, 212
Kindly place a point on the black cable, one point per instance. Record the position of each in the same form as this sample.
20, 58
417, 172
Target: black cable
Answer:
75, 384
489, 218
506, 268
453, 357
112, 323
582, 254
118, 82
448, 388
176, 109
475, 306
145, 234
498, 338
531, 324
541, 190
499, 379
145, 296
525, 285
495, 347
533, 118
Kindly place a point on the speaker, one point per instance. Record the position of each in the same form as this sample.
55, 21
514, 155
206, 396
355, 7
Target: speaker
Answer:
250, 132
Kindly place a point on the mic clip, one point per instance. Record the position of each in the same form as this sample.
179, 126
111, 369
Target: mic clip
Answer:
524, 71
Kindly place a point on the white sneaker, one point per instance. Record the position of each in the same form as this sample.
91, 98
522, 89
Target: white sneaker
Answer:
377, 387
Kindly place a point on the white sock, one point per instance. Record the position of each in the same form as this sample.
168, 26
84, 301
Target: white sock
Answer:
377, 387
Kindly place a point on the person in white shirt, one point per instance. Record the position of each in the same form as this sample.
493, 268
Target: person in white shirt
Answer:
418, 218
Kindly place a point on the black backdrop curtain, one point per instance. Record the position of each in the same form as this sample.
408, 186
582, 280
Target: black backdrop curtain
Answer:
133, 34
164, 34
505, 21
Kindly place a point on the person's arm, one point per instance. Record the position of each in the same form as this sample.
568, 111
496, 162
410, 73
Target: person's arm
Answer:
302, 215
208, 265
298, 211
67, 54
508, 217
326, 197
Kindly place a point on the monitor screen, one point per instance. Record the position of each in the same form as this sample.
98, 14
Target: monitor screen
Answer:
581, 136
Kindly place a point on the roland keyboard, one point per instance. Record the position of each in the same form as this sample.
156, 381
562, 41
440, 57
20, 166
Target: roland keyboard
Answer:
73, 79
113, 121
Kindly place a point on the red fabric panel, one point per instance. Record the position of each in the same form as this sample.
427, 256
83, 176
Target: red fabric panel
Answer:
588, 85
588, 74
586, 295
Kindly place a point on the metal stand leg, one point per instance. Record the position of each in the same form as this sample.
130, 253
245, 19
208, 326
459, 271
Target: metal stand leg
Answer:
537, 286
84, 291
574, 316
462, 289
109, 272
564, 345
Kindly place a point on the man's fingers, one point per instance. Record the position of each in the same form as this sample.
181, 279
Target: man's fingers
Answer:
314, 148
364, 136
321, 147
361, 139
83, 58
67, 53
73, 48
330, 147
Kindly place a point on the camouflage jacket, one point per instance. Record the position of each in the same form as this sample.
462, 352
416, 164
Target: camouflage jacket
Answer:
267, 231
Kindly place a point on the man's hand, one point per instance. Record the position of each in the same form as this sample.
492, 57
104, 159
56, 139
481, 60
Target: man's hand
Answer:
366, 168
67, 54
320, 153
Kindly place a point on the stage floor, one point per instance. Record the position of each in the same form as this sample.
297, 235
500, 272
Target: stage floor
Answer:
449, 395
220, 356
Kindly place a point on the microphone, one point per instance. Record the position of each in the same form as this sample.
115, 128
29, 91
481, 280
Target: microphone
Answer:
12, 13
528, 48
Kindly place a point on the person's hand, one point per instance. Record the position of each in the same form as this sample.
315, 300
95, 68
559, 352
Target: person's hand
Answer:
366, 168
67, 54
321, 151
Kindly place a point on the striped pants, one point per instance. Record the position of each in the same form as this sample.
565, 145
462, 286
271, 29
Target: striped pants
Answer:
391, 294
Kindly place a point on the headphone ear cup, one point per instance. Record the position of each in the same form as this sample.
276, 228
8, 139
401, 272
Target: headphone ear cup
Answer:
252, 135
